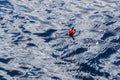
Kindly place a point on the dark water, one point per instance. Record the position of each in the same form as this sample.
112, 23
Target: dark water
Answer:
34, 44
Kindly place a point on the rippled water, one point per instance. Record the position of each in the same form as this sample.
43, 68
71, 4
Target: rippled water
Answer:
33, 46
